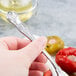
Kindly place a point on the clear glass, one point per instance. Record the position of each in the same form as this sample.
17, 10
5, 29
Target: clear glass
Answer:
24, 8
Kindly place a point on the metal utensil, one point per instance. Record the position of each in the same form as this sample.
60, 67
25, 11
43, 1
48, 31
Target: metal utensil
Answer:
14, 19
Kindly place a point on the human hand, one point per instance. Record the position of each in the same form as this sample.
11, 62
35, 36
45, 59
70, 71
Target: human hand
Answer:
16, 59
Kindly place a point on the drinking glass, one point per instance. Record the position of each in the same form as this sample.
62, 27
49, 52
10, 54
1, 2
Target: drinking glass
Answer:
24, 8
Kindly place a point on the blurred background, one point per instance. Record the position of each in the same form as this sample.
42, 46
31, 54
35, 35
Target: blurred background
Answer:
53, 17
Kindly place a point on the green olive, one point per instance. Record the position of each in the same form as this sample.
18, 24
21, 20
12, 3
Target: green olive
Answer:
54, 44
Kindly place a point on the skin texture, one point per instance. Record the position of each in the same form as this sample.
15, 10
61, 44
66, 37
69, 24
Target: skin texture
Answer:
20, 57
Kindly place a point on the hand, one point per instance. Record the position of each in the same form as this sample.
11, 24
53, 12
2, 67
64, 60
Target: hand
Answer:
20, 57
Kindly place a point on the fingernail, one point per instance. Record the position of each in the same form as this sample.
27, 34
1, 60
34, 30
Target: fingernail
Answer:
42, 41
42, 74
48, 73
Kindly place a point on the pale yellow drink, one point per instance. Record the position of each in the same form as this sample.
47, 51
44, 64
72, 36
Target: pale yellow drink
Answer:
19, 6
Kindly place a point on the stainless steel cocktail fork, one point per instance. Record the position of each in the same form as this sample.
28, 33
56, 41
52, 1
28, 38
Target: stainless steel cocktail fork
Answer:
14, 19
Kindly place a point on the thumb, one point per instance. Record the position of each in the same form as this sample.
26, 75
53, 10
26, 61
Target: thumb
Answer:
31, 52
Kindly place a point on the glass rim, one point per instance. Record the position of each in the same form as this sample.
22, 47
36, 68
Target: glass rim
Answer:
26, 11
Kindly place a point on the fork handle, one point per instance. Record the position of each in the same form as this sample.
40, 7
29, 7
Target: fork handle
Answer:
56, 70
13, 18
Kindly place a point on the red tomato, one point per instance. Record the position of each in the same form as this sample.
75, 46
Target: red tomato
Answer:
66, 59
48, 73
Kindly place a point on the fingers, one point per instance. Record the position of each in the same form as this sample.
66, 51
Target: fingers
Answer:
32, 51
41, 58
35, 73
39, 66
13, 43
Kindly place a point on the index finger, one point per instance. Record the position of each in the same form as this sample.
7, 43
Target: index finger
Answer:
13, 43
